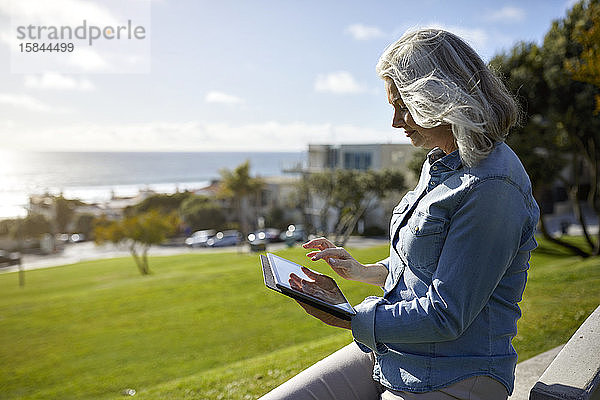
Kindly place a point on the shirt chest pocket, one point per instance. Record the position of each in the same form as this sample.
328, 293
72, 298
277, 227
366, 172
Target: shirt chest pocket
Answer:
397, 215
422, 240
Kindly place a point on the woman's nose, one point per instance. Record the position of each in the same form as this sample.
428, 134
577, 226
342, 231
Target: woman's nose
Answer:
399, 119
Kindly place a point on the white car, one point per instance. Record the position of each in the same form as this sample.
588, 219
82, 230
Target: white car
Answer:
200, 238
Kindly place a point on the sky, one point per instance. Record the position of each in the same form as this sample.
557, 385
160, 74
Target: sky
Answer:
229, 75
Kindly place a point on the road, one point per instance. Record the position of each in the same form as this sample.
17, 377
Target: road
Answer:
76, 252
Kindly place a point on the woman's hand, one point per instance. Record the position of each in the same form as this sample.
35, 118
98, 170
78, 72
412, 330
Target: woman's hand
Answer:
344, 264
322, 286
337, 257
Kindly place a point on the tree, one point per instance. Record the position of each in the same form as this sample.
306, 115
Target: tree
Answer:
560, 125
84, 223
539, 144
163, 203
573, 104
275, 218
138, 232
63, 213
7, 226
586, 68
351, 193
238, 186
200, 212
32, 226
299, 199
415, 164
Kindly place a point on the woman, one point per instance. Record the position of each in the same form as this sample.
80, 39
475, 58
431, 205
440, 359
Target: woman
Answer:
460, 243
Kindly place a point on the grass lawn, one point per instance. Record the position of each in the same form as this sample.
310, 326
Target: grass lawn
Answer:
203, 326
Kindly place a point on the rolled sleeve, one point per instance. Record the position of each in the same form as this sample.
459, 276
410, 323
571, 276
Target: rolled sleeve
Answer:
363, 323
385, 262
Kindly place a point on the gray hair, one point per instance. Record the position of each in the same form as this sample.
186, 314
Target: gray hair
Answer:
442, 80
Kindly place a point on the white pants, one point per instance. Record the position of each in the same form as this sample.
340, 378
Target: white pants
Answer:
346, 375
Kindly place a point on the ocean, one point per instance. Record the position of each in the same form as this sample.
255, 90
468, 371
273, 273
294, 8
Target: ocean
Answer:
97, 176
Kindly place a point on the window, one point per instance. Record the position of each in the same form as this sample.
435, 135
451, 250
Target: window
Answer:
358, 160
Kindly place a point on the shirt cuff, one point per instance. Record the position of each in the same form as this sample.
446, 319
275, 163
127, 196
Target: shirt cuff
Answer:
363, 324
385, 262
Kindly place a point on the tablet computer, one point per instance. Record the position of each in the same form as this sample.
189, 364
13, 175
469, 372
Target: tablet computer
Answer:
277, 273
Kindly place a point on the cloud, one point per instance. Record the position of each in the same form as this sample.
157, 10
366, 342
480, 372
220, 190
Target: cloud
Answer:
116, 56
222, 98
507, 14
339, 82
9, 40
192, 136
57, 12
53, 80
364, 32
26, 102
570, 3
88, 60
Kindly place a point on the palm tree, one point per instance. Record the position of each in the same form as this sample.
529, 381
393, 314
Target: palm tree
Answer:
239, 187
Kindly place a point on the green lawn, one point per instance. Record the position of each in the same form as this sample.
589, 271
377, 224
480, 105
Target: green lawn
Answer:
205, 327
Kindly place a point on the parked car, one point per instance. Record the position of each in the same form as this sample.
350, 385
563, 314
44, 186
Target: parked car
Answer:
269, 235
294, 233
200, 238
8, 259
64, 238
225, 238
77, 238
258, 240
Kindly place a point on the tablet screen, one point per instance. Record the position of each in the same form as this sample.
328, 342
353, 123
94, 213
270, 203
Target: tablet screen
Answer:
282, 269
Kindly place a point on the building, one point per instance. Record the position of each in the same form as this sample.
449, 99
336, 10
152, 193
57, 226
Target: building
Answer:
322, 157
359, 156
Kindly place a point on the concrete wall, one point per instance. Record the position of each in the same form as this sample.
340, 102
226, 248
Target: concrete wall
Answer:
567, 372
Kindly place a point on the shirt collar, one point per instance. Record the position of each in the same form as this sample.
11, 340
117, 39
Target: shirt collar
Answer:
451, 160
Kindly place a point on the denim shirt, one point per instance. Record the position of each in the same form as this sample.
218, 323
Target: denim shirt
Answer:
459, 255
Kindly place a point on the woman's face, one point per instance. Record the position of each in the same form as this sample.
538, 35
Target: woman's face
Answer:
440, 136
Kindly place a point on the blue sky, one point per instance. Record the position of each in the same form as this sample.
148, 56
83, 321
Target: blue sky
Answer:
243, 75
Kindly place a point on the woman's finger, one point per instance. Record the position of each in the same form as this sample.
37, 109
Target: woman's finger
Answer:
295, 281
335, 252
312, 274
340, 263
318, 243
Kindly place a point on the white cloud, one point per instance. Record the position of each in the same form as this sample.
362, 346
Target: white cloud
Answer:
8, 39
338, 82
26, 102
364, 32
222, 98
122, 56
193, 136
570, 3
53, 80
507, 14
89, 60
57, 12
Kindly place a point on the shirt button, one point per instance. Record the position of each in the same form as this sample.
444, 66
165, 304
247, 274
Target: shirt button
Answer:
435, 168
432, 183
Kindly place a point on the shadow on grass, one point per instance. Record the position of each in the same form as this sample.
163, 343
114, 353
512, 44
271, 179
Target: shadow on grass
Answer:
546, 247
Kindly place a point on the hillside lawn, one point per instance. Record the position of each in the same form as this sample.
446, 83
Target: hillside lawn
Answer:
203, 326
